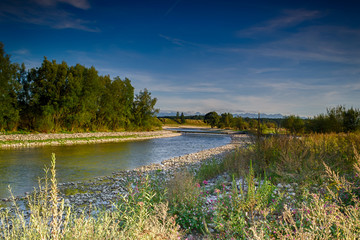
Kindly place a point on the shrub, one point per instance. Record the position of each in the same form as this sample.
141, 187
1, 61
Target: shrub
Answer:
186, 202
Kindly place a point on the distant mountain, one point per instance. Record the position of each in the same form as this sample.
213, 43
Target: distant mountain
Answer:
243, 115
262, 115
172, 113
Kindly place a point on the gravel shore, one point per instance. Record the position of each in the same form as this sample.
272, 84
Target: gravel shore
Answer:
53, 139
101, 191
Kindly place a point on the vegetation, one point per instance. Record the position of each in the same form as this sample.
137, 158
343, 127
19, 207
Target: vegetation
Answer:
336, 120
139, 216
57, 97
326, 206
171, 121
228, 121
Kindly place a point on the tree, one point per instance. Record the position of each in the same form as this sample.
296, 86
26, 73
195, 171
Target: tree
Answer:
212, 118
182, 118
239, 123
351, 120
9, 87
335, 118
225, 120
115, 104
144, 110
177, 118
294, 124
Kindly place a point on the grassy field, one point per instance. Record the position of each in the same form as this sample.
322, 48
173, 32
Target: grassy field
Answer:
326, 169
188, 122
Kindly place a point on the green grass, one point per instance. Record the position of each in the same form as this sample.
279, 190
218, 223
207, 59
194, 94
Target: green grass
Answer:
73, 191
188, 122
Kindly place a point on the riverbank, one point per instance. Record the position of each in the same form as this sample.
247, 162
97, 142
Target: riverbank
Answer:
55, 139
219, 196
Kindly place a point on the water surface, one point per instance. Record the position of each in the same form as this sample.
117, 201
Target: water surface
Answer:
22, 167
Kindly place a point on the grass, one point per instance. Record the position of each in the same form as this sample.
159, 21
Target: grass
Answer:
326, 206
188, 122
138, 216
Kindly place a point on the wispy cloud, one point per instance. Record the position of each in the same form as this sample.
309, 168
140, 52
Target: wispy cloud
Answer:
180, 42
172, 7
21, 52
267, 70
82, 4
289, 18
320, 43
46, 13
175, 41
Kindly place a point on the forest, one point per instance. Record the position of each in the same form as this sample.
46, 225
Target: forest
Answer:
57, 97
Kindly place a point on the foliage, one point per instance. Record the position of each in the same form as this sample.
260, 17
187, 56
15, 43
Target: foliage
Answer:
337, 119
57, 97
182, 118
209, 170
144, 110
9, 86
294, 124
212, 118
186, 202
297, 159
238, 210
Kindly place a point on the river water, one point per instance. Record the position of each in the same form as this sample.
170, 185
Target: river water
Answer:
21, 168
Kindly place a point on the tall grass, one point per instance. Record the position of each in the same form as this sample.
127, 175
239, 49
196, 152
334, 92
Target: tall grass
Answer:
153, 210
138, 216
331, 161
297, 159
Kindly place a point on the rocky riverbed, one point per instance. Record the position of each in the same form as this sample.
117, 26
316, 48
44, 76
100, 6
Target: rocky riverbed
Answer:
102, 191
54, 139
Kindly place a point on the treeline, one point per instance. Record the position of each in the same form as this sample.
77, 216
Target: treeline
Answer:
57, 97
227, 120
337, 119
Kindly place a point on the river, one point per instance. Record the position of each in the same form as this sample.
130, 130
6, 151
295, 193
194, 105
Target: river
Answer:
20, 168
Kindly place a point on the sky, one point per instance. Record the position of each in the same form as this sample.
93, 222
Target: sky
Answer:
287, 57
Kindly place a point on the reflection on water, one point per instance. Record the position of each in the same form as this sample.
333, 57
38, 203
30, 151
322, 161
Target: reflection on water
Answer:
21, 168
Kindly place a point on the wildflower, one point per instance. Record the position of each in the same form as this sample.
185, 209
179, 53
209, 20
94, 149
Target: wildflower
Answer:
216, 190
205, 182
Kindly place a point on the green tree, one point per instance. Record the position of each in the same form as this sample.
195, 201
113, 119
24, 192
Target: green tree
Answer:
115, 103
47, 86
177, 118
144, 110
351, 120
239, 123
9, 87
225, 120
335, 119
212, 118
294, 124
182, 118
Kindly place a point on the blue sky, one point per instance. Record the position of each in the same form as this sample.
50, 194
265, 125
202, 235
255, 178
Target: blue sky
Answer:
288, 57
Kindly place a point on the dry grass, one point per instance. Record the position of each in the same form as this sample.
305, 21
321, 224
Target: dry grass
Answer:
49, 219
